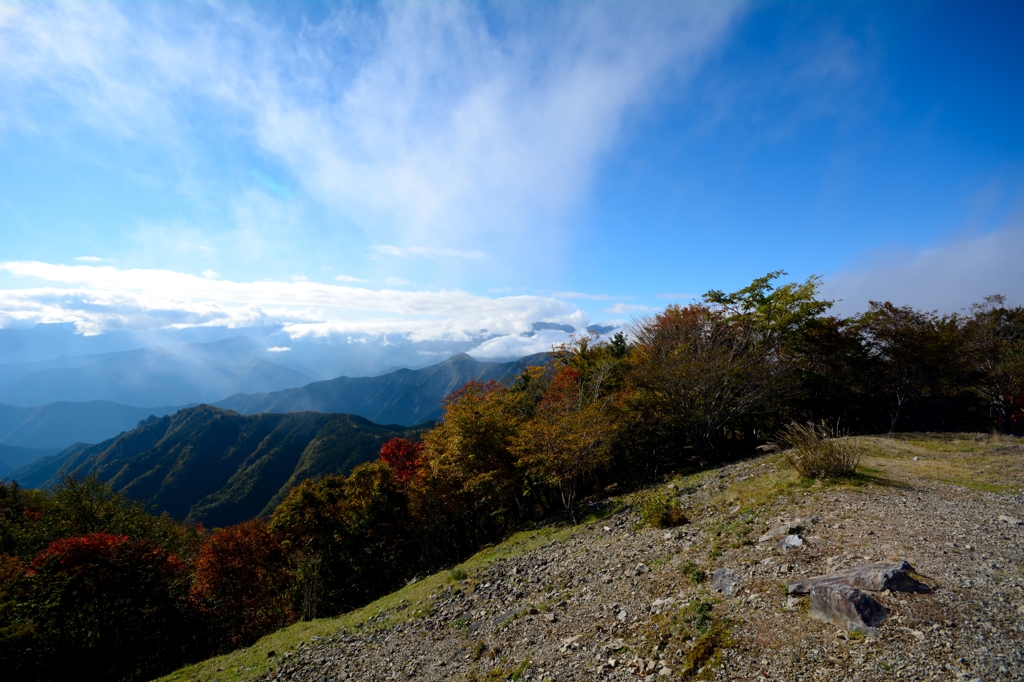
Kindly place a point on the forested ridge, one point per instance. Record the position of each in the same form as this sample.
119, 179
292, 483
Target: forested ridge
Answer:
217, 467
124, 594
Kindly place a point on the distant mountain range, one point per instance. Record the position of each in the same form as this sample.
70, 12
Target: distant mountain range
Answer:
162, 375
405, 396
12, 457
58, 425
209, 465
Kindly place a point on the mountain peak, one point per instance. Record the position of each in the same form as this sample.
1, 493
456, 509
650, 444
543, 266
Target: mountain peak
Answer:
459, 358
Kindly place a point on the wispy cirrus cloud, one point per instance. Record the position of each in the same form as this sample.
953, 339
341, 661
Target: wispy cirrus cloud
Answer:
100, 298
427, 252
588, 297
627, 308
446, 121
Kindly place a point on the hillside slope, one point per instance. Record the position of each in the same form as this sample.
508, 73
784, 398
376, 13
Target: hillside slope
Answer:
205, 464
615, 600
404, 396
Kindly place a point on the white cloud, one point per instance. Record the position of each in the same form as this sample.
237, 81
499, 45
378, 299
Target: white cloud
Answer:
395, 281
348, 278
516, 346
210, 274
101, 298
626, 308
426, 251
89, 259
945, 278
416, 120
278, 349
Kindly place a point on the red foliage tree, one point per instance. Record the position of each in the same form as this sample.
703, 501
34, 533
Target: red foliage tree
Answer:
404, 457
107, 605
242, 582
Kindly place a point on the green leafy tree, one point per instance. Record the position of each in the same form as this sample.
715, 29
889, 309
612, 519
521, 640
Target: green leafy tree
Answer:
995, 336
351, 538
79, 506
912, 354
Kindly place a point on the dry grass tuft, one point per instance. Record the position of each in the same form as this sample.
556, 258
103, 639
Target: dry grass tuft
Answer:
818, 451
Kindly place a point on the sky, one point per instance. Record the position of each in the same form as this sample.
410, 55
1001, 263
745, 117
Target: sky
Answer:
446, 171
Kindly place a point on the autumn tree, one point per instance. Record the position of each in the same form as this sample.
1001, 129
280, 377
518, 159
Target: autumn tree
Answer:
242, 583
403, 456
912, 354
107, 605
567, 438
568, 434
697, 370
470, 488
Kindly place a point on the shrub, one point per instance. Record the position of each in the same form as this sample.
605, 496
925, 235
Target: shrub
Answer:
817, 450
661, 510
695, 573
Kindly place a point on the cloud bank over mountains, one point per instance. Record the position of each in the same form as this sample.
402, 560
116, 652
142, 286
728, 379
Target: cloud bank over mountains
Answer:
97, 299
948, 277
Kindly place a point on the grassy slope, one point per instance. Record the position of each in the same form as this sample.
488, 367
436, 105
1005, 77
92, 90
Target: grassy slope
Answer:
974, 461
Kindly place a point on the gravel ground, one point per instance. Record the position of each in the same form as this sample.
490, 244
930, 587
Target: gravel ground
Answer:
617, 601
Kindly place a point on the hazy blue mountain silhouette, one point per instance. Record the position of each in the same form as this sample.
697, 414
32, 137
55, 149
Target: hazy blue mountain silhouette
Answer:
163, 375
405, 396
58, 425
12, 457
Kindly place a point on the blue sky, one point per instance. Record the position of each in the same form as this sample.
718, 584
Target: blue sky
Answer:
434, 169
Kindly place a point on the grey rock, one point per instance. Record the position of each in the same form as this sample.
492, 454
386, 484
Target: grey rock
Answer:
780, 531
1010, 520
725, 581
874, 577
793, 541
847, 607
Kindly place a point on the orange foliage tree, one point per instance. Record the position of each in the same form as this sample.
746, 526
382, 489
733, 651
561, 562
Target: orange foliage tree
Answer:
567, 437
469, 490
